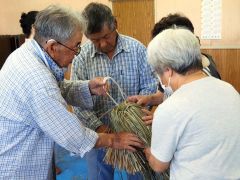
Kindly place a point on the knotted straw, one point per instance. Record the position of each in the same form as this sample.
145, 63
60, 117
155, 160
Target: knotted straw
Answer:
127, 117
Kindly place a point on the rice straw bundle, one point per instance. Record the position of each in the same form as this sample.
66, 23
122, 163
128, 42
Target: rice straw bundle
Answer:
127, 117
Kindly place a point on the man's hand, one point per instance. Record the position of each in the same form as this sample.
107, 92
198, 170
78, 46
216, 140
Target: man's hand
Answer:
128, 141
122, 140
142, 100
98, 86
147, 100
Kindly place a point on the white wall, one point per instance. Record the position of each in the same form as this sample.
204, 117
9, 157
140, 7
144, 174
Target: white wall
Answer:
192, 9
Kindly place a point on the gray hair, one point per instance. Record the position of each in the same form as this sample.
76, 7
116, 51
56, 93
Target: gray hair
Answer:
176, 48
59, 23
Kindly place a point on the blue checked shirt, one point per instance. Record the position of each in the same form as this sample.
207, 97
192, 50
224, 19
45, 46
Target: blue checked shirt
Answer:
128, 67
33, 115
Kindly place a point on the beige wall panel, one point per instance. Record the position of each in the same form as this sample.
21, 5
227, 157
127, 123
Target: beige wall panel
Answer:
10, 11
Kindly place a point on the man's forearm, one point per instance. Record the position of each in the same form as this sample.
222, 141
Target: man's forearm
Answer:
156, 99
104, 140
76, 93
103, 129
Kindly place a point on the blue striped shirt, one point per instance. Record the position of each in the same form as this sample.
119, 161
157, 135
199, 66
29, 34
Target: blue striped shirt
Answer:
128, 67
33, 115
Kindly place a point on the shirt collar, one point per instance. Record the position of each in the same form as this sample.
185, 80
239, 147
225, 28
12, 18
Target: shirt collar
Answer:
57, 71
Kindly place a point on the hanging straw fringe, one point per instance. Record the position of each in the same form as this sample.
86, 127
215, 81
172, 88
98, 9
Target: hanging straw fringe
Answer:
127, 117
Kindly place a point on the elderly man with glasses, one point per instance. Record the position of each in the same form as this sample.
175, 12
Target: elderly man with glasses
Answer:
33, 113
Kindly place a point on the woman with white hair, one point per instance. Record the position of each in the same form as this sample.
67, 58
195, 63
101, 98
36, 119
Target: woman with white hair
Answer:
196, 130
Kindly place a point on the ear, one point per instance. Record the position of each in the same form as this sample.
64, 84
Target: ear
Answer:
51, 47
116, 24
169, 71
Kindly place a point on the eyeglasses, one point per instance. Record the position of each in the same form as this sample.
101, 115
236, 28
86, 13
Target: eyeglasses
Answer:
78, 47
77, 51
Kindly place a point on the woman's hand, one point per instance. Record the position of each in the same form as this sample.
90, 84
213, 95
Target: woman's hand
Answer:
148, 117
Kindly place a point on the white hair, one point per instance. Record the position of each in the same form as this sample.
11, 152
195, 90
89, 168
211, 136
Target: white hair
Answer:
176, 48
57, 22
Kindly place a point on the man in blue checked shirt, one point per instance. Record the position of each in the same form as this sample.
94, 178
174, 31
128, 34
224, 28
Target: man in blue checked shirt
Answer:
33, 109
123, 58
